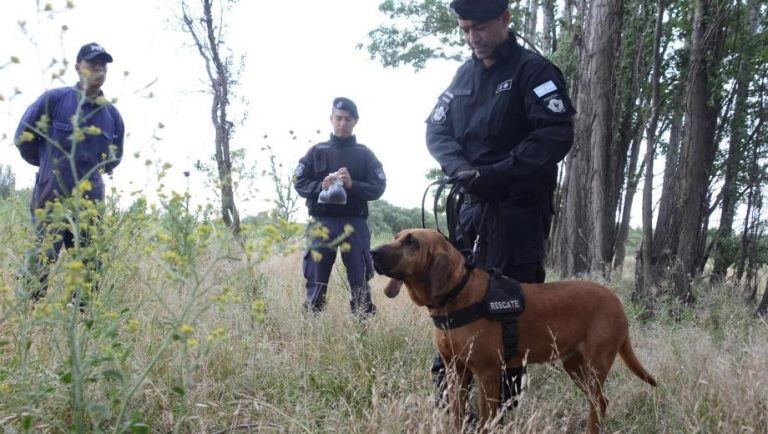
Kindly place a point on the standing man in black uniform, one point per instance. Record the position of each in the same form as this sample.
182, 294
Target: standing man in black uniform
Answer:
501, 127
363, 180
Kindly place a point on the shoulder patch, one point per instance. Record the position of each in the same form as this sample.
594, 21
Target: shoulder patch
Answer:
504, 86
439, 114
545, 88
554, 103
299, 170
380, 174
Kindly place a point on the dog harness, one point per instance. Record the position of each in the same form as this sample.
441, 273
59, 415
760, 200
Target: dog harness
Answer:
503, 302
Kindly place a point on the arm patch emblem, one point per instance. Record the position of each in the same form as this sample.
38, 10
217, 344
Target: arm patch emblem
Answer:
439, 114
554, 103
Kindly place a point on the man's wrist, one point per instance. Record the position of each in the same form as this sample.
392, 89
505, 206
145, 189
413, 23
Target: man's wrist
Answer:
486, 171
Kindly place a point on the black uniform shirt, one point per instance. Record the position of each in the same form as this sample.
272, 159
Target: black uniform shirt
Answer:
367, 173
511, 121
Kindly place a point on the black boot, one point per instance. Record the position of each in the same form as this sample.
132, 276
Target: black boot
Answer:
512, 385
438, 377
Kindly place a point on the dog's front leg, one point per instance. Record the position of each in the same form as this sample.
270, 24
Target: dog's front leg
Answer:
459, 379
488, 397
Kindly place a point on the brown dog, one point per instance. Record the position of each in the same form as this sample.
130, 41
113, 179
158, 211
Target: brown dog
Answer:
581, 323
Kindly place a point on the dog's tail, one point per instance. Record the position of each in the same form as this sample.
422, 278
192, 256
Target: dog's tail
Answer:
630, 359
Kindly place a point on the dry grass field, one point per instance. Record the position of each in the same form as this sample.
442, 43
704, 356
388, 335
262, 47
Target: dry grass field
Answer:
191, 332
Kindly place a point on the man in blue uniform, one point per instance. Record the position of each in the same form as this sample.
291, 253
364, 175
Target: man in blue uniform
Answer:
341, 208
72, 134
501, 127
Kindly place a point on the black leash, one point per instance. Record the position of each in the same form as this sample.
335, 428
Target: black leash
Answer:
453, 202
473, 250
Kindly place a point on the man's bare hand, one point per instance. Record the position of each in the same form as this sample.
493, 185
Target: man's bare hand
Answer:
327, 182
346, 179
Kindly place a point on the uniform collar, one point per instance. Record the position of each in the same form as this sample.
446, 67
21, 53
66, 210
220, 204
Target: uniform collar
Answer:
349, 141
77, 88
505, 50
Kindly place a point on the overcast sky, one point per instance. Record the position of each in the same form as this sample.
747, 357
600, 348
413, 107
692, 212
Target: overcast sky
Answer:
299, 56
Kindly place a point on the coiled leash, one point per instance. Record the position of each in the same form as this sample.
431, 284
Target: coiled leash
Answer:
453, 202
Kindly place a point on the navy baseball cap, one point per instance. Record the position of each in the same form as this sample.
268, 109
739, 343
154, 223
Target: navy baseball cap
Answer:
346, 104
479, 10
93, 51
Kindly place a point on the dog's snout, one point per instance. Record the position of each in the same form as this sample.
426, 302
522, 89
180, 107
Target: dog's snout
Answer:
377, 253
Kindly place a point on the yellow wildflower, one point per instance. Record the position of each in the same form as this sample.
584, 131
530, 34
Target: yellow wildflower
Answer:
133, 325
92, 130
186, 329
26, 136
42, 123
75, 266
77, 135
85, 185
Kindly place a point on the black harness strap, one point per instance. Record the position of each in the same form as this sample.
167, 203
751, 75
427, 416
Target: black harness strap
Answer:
460, 317
503, 302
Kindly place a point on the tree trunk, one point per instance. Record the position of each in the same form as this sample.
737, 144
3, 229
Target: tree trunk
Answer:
586, 234
742, 262
644, 283
629, 137
762, 309
723, 257
699, 150
602, 33
530, 31
664, 246
629, 196
208, 43
547, 26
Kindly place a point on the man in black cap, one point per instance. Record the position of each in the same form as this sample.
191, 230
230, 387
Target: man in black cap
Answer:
338, 178
72, 134
501, 127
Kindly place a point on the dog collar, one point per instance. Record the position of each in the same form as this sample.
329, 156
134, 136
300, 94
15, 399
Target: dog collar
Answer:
459, 318
456, 289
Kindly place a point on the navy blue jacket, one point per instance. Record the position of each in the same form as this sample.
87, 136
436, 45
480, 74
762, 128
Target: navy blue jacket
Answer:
512, 121
367, 173
98, 144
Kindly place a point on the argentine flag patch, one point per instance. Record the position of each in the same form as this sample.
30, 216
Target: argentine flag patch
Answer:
544, 88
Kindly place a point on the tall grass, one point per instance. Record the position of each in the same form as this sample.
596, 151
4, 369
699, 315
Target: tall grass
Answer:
215, 339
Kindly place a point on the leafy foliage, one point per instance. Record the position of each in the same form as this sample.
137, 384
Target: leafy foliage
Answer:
7, 181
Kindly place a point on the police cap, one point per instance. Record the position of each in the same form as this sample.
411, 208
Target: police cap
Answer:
479, 10
93, 51
345, 104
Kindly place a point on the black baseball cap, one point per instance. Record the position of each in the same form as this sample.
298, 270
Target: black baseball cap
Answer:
93, 51
479, 10
346, 104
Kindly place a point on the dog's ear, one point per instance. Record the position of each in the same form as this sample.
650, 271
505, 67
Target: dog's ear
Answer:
438, 274
393, 288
